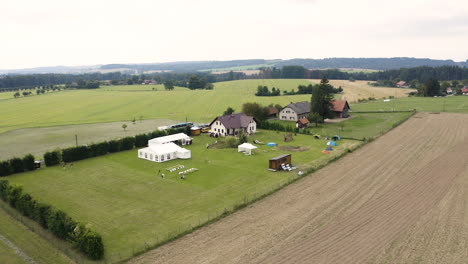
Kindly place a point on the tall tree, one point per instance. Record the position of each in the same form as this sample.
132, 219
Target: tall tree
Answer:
321, 99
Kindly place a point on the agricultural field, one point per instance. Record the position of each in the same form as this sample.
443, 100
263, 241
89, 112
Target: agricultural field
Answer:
138, 88
37, 141
400, 199
352, 91
125, 199
358, 126
73, 107
456, 104
32, 246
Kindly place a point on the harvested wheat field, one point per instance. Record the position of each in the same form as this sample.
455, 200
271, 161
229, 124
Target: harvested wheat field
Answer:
400, 199
352, 91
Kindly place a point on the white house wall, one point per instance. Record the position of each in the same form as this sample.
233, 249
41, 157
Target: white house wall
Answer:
219, 128
288, 114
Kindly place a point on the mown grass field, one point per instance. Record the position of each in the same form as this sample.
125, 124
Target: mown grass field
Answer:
125, 199
37, 141
359, 126
103, 105
455, 104
36, 247
352, 91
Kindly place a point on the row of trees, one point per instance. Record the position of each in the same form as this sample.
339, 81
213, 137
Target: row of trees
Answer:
58, 222
265, 91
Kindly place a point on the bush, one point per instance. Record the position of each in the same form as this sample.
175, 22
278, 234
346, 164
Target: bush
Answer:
16, 165
52, 158
5, 168
89, 242
60, 224
127, 143
4, 190
13, 195
28, 162
41, 213
98, 149
114, 146
75, 153
231, 142
25, 204
141, 140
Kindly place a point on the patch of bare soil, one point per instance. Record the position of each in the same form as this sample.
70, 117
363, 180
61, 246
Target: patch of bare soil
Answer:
400, 199
293, 148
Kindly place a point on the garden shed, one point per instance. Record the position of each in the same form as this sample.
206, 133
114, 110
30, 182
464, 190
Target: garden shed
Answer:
275, 163
246, 148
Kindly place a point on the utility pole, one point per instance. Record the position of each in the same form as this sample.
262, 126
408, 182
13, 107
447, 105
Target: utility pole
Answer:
76, 140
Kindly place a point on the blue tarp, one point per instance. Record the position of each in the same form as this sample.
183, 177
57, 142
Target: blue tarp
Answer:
272, 144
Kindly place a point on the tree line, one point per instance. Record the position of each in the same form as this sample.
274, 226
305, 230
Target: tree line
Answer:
263, 90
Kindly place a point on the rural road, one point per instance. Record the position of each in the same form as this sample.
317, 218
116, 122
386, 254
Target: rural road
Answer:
401, 199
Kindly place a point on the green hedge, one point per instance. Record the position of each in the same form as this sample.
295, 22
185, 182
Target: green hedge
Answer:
16, 165
52, 158
58, 222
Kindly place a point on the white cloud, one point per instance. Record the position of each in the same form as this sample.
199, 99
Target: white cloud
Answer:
44, 33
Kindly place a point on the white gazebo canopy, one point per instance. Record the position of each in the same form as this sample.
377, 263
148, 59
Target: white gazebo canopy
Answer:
246, 148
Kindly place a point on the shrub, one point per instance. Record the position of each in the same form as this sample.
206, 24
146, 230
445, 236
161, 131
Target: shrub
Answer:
141, 140
25, 204
127, 143
114, 146
16, 165
98, 149
5, 168
60, 224
231, 142
52, 158
75, 153
89, 242
28, 162
41, 213
13, 195
4, 190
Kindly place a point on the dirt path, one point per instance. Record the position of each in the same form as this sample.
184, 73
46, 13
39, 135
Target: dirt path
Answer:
17, 250
400, 199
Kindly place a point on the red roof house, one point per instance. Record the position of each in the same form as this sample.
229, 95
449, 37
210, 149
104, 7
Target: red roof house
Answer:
340, 108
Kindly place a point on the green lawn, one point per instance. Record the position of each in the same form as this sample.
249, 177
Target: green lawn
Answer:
126, 200
36, 247
457, 104
137, 88
37, 141
359, 126
104, 105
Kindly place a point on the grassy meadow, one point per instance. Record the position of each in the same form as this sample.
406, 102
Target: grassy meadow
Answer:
358, 126
456, 104
103, 105
130, 205
37, 141
36, 247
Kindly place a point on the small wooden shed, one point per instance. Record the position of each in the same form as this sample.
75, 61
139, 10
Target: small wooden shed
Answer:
275, 163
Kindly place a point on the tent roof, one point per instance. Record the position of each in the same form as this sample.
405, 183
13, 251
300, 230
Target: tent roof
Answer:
162, 149
247, 146
167, 139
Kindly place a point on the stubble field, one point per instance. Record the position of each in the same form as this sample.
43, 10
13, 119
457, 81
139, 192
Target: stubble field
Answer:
400, 199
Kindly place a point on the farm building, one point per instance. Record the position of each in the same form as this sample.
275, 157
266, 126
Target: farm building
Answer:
464, 90
275, 163
233, 124
303, 122
295, 111
272, 112
340, 108
166, 148
179, 139
402, 84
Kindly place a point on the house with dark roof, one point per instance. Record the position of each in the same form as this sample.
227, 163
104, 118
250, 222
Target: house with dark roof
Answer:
302, 123
232, 124
295, 111
340, 108
272, 112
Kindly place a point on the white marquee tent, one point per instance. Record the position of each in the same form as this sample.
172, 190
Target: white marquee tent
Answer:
246, 148
164, 152
180, 137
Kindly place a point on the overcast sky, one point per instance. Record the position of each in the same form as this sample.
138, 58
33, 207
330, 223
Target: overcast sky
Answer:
64, 32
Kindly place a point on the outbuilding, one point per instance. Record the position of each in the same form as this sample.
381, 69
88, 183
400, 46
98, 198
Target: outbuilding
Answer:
275, 163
